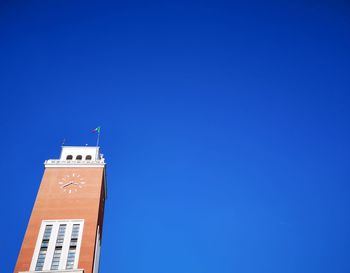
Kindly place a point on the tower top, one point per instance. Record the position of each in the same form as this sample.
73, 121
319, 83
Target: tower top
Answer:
74, 156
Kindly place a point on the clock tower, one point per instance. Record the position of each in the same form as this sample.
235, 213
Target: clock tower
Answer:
65, 228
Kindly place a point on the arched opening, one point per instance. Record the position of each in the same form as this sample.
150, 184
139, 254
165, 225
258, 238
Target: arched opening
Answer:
69, 157
79, 157
88, 157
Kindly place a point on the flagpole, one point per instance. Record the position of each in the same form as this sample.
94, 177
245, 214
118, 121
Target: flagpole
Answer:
98, 139
97, 142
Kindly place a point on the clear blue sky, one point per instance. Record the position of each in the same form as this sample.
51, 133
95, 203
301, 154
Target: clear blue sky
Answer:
226, 128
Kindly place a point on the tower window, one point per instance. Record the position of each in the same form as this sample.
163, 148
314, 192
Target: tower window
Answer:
43, 248
88, 157
69, 157
65, 249
79, 157
72, 247
58, 248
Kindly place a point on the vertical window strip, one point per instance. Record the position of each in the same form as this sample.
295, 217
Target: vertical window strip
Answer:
43, 248
72, 247
58, 247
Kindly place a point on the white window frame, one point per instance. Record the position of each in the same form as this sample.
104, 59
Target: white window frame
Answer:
52, 243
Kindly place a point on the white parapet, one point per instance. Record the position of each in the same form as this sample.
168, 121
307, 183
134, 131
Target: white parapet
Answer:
83, 151
73, 156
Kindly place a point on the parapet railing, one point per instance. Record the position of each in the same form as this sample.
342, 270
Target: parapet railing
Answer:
75, 162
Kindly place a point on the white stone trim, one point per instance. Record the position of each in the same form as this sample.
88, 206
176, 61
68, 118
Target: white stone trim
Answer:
74, 163
51, 247
65, 246
77, 252
97, 251
52, 243
74, 166
56, 271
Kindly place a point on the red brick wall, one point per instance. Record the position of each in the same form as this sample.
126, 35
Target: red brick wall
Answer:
54, 204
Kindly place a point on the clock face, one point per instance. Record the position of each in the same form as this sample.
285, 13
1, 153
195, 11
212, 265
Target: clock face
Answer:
71, 183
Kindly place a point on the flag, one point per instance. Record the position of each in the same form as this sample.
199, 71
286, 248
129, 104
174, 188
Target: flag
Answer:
97, 130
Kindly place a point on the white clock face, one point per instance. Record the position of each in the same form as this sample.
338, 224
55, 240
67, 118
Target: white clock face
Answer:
71, 183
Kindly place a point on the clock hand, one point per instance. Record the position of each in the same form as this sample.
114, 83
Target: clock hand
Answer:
65, 185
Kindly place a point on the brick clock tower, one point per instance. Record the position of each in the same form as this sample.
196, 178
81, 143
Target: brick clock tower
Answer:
65, 228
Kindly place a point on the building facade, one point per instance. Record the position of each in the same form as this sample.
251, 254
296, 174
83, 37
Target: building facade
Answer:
65, 228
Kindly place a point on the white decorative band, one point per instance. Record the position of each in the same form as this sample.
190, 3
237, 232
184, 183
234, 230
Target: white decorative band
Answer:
56, 271
74, 163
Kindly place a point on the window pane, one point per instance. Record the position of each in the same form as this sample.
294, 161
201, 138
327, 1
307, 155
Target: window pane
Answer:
58, 247
43, 248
